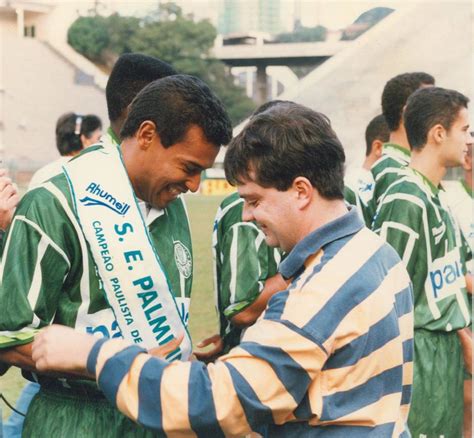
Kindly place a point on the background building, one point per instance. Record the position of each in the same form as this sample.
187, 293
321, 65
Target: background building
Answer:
236, 16
41, 77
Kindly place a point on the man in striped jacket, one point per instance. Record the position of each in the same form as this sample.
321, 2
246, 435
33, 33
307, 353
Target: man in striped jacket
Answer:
331, 355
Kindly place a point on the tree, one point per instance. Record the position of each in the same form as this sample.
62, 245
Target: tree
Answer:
121, 31
303, 34
186, 45
168, 35
89, 36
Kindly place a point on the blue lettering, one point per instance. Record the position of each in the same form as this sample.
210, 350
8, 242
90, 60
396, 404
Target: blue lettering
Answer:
449, 274
147, 298
161, 329
436, 281
148, 312
133, 256
145, 283
121, 231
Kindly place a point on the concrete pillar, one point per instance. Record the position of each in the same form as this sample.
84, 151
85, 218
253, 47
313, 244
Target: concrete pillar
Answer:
20, 22
261, 84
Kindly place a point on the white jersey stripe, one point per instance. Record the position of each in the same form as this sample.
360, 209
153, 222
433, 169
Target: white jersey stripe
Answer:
35, 287
417, 201
413, 236
84, 283
233, 264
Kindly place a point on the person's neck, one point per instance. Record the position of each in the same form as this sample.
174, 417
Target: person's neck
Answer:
74, 153
428, 163
399, 137
368, 162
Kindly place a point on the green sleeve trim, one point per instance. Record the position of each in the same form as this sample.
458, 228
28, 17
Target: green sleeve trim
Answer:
235, 308
17, 339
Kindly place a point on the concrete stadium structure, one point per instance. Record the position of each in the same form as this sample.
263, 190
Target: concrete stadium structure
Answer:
432, 37
41, 78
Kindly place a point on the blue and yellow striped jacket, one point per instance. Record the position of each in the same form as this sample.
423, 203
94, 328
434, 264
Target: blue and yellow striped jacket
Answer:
330, 357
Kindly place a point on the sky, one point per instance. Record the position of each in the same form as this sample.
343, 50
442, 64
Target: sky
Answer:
333, 14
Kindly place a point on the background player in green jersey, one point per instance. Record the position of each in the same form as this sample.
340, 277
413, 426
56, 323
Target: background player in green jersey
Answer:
246, 275
459, 198
359, 183
413, 220
395, 153
56, 279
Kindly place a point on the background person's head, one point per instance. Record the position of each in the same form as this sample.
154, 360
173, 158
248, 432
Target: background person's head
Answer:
376, 134
130, 74
438, 118
267, 105
287, 163
75, 132
396, 92
173, 132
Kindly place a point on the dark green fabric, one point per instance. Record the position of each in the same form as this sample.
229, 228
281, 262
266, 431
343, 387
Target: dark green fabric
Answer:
437, 398
66, 414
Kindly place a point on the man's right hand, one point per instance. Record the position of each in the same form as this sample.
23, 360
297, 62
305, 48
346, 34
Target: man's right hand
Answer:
213, 353
9, 199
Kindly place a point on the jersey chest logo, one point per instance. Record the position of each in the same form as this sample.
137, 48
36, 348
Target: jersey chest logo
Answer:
445, 277
183, 259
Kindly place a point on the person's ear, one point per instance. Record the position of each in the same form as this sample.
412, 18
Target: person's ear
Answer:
436, 134
303, 191
84, 141
146, 134
377, 146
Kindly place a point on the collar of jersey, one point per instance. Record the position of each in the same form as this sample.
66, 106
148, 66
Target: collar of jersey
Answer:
426, 182
113, 136
341, 227
467, 188
396, 149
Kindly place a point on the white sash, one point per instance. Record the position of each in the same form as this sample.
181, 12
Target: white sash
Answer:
134, 280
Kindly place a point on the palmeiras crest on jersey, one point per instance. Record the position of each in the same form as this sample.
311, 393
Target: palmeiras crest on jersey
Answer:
183, 260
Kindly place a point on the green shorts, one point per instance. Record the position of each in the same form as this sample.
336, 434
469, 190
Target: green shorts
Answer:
80, 412
438, 377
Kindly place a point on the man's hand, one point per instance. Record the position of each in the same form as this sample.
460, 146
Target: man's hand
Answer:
468, 278
162, 351
62, 349
9, 199
465, 337
213, 353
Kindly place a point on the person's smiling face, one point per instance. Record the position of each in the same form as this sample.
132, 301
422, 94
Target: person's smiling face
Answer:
159, 175
272, 210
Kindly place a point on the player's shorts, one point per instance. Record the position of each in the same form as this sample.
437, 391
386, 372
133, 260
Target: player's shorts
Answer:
78, 412
438, 378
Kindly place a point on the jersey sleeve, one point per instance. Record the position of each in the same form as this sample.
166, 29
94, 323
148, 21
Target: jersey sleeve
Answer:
33, 268
350, 195
227, 398
247, 262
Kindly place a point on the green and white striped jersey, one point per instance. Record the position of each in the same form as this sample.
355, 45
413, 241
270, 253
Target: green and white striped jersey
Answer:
48, 274
412, 219
242, 262
358, 191
385, 172
458, 196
